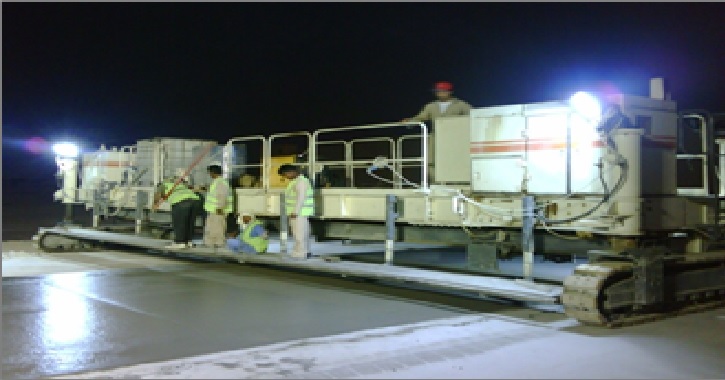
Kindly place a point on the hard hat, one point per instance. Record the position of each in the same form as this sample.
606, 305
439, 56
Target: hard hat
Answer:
181, 173
443, 86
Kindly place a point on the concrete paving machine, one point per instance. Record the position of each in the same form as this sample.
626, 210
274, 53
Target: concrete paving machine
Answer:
629, 181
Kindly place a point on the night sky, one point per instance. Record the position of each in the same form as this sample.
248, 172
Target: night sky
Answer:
116, 73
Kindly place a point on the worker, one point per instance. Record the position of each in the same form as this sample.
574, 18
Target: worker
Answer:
218, 203
445, 105
185, 207
252, 239
299, 206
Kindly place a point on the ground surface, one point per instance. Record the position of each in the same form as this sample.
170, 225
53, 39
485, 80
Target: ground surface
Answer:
128, 315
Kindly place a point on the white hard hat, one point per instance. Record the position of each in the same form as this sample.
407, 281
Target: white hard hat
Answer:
215, 163
181, 173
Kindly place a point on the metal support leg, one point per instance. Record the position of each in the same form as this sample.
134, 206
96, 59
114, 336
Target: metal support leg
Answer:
96, 208
527, 236
140, 202
68, 219
390, 216
283, 225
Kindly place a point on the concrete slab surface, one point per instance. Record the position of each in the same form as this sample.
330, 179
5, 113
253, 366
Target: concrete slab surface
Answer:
129, 315
89, 320
481, 346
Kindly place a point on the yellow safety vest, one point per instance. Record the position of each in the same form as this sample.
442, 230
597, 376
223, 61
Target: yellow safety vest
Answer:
180, 193
290, 198
259, 243
210, 202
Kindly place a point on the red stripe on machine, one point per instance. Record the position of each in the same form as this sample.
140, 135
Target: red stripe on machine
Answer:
521, 146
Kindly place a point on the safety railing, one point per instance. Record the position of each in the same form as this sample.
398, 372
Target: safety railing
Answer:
311, 164
364, 162
304, 164
328, 165
350, 160
229, 167
395, 160
401, 162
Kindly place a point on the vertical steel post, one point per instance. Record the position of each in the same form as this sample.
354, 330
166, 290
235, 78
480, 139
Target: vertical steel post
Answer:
283, 225
96, 208
390, 216
527, 235
140, 202
68, 219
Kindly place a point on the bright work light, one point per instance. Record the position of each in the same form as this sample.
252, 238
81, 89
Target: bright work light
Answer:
586, 105
65, 150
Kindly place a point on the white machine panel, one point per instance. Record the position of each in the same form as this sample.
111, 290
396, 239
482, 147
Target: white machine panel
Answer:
512, 142
452, 160
497, 174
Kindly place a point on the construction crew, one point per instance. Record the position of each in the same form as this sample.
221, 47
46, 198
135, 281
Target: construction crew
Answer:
299, 206
252, 239
185, 207
445, 104
218, 203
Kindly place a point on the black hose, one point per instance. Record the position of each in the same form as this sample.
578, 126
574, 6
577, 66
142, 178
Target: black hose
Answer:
604, 200
607, 194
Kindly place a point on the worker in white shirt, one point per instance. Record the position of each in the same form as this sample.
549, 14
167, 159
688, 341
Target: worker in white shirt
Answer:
299, 206
444, 105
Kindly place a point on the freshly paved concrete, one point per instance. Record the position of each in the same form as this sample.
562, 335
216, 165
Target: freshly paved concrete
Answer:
481, 346
75, 322
128, 315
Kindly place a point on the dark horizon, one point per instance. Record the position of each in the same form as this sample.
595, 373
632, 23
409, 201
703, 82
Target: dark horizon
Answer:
115, 73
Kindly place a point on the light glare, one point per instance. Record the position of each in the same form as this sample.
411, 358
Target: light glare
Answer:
65, 149
587, 105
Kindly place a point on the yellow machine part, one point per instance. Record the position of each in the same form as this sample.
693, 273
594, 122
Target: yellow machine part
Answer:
276, 180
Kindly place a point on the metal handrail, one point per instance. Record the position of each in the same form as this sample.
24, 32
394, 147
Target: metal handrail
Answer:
309, 163
424, 143
347, 153
227, 152
400, 160
366, 161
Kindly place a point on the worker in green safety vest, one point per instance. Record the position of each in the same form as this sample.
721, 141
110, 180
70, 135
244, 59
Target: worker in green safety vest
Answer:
299, 206
218, 203
185, 207
252, 239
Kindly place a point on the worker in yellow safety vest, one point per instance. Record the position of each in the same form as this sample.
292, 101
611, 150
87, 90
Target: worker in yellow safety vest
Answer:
218, 203
253, 238
299, 206
185, 207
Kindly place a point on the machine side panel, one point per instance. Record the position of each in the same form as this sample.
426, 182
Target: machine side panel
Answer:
452, 164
